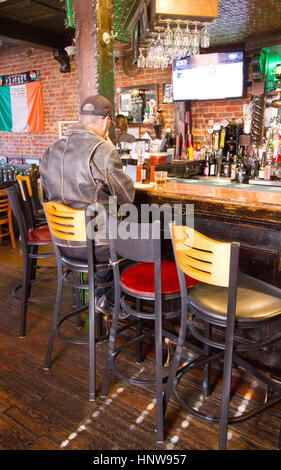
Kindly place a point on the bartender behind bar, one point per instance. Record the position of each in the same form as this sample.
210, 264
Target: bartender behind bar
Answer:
122, 134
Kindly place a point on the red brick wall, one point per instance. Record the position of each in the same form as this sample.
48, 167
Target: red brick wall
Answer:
59, 99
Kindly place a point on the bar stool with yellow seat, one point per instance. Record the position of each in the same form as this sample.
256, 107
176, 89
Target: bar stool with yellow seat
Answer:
222, 311
69, 225
6, 218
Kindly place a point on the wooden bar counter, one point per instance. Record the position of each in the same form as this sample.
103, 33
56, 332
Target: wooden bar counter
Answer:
250, 214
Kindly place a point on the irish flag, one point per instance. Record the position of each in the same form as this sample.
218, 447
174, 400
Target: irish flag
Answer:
21, 107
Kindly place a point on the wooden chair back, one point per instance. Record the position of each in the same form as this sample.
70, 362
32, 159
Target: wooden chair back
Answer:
200, 257
4, 202
64, 222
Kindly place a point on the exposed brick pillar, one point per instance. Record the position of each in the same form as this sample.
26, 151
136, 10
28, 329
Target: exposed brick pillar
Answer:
95, 63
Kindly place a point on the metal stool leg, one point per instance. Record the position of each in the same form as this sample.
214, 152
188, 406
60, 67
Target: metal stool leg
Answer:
111, 343
176, 359
26, 286
92, 334
207, 367
54, 320
227, 370
139, 356
159, 373
76, 298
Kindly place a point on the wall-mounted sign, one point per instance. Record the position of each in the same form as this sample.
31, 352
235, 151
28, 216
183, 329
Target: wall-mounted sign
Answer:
21, 102
19, 78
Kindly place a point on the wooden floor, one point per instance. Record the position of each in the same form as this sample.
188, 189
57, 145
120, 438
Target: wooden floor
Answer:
43, 410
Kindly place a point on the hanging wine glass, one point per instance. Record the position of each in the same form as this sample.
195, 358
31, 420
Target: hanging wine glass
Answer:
141, 59
205, 37
149, 55
178, 35
168, 35
187, 41
195, 42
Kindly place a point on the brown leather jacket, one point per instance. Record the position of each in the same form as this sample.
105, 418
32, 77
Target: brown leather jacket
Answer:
82, 168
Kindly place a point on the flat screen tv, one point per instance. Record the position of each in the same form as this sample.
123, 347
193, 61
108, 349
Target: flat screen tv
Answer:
208, 76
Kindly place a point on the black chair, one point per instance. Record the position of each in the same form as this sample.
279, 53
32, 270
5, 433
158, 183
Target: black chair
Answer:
149, 280
67, 224
224, 311
31, 239
30, 203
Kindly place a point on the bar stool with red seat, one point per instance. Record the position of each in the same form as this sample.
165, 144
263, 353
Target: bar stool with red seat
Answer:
150, 279
31, 239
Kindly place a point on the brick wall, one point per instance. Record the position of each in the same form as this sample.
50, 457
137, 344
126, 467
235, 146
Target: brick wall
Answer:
59, 99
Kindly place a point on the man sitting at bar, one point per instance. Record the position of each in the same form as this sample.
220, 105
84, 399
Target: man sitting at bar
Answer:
83, 167
121, 128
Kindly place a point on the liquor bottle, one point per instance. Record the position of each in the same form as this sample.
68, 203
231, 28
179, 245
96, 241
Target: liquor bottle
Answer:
242, 173
233, 168
213, 165
145, 173
178, 147
207, 166
152, 174
261, 168
268, 169
139, 168
226, 166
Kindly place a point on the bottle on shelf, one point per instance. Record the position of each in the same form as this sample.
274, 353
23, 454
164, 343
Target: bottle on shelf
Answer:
268, 169
145, 172
261, 168
233, 168
242, 173
213, 165
207, 166
226, 166
139, 168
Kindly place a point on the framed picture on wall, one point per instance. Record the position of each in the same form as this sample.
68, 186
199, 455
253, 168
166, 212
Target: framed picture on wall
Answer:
167, 93
16, 161
63, 125
32, 160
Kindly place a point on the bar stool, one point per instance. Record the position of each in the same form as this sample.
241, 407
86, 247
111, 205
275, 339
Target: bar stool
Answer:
69, 225
222, 302
31, 238
35, 213
149, 279
6, 218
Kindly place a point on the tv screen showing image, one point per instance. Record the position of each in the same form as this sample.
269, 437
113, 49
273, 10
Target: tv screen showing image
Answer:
208, 76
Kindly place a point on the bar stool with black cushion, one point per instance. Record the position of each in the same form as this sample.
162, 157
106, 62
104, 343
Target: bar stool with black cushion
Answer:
69, 225
223, 311
31, 238
150, 279
36, 214
6, 218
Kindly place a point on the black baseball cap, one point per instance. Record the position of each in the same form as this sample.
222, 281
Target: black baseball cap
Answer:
101, 106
